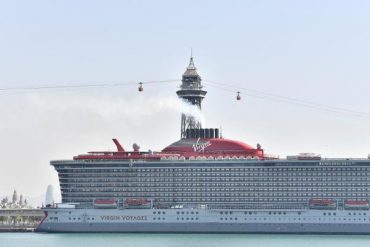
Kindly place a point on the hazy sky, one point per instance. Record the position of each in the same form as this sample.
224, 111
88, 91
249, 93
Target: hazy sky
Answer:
310, 50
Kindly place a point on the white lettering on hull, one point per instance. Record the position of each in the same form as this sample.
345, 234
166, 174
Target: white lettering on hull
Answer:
123, 218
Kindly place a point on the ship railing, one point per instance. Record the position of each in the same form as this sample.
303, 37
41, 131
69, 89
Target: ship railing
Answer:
344, 159
259, 206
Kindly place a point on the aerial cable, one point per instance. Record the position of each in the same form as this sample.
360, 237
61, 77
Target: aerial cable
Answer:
73, 86
263, 95
226, 87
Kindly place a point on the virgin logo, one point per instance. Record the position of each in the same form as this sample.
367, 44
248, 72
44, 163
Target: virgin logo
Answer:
199, 147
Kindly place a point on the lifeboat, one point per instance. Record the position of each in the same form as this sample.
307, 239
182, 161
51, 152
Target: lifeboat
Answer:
105, 203
356, 205
304, 156
318, 203
137, 203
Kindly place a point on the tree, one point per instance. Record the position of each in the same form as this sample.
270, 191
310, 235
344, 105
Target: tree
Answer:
15, 197
4, 200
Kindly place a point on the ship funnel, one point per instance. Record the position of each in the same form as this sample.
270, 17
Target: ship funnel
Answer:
118, 145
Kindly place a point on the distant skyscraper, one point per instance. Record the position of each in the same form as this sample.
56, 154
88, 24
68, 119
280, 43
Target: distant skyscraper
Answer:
15, 197
49, 198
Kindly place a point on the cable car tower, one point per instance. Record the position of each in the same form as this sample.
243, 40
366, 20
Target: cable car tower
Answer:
191, 92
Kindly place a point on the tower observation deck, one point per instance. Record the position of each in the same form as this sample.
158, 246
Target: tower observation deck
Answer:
192, 93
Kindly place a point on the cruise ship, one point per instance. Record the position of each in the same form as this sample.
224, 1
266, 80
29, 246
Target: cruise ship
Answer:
205, 183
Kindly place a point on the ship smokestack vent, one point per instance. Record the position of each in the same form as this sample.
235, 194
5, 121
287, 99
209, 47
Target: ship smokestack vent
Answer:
206, 133
197, 133
217, 133
192, 133
211, 133
202, 133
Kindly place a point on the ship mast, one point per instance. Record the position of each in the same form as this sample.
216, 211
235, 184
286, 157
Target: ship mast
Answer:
191, 92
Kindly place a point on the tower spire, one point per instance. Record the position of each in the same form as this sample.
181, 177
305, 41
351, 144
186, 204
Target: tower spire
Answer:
192, 93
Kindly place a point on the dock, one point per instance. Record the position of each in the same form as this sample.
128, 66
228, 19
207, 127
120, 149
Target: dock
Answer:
19, 219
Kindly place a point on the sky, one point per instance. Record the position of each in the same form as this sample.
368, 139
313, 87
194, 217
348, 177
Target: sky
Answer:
316, 51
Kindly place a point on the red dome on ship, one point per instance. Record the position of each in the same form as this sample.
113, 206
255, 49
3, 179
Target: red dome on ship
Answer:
216, 145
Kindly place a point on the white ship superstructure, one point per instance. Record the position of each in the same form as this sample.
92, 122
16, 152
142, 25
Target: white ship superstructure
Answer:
206, 183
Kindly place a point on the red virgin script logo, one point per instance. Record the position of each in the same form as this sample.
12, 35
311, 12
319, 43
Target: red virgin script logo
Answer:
124, 218
199, 147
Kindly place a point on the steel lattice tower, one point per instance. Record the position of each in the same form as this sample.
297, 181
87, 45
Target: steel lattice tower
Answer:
191, 92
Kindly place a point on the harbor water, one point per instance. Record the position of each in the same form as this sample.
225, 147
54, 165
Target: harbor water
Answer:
179, 240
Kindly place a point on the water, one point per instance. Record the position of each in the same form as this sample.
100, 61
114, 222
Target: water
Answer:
179, 240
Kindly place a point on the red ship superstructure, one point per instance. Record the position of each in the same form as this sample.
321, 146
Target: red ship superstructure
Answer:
199, 144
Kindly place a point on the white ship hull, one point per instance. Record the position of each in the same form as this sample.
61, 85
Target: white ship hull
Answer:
206, 221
